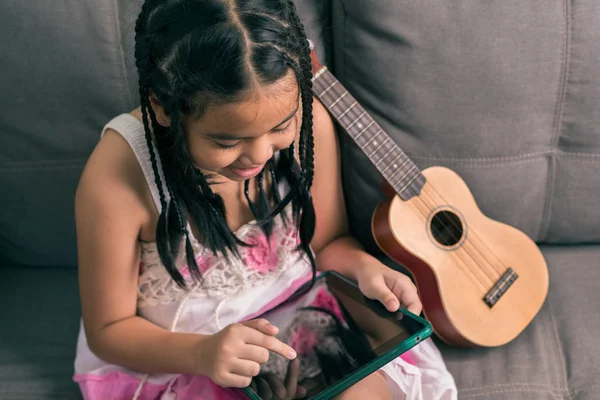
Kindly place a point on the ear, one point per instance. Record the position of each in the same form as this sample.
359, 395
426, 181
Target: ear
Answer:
159, 110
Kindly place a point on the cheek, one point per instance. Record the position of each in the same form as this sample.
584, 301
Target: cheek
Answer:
284, 141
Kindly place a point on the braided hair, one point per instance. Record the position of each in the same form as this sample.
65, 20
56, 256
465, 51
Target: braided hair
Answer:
190, 53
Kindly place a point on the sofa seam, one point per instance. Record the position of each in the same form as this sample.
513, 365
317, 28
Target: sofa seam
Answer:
46, 164
573, 154
565, 57
580, 390
509, 389
559, 348
513, 384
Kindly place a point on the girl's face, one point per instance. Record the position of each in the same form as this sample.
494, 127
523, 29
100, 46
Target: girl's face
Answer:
236, 140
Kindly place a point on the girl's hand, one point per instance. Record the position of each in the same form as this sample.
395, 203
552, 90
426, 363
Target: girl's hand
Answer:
390, 287
269, 387
232, 357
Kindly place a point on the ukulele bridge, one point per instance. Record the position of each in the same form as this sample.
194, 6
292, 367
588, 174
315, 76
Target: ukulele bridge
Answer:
501, 286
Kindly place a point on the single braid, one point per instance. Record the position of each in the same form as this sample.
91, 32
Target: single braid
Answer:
306, 79
142, 57
249, 200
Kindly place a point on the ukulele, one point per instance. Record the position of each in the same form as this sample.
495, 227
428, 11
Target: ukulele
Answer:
481, 282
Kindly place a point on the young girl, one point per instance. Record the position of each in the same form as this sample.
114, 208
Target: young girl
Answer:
212, 203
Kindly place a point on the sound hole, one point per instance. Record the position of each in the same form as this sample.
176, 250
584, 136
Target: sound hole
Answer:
446, 228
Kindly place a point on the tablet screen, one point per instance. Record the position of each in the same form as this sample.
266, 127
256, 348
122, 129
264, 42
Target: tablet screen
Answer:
335, 331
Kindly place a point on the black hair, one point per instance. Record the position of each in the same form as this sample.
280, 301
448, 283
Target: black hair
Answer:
194, 52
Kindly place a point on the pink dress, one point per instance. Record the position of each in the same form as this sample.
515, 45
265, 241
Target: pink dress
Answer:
233, 291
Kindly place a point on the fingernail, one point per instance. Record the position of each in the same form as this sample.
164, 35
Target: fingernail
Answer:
292, 354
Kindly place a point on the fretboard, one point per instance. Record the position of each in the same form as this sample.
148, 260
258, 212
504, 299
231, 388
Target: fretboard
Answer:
393, 164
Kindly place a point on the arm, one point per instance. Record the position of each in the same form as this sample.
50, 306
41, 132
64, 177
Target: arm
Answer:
109, 210
335, 248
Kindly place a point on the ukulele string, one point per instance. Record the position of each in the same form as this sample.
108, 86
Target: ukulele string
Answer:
482, 242
425, 212
456, 254
435, 232
466, 244
464, 247
332, 89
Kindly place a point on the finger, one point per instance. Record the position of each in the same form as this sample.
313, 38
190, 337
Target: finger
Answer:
379, 290
270, 343
254, 353
291, 378
265, 391
236, 381
300, 392
403, 289
279, 392
262, 325
245, 368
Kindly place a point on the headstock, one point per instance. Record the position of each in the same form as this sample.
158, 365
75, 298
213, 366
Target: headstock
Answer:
316, 65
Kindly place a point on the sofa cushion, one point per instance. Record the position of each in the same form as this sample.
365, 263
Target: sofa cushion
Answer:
40, 317
478, 87
558, 355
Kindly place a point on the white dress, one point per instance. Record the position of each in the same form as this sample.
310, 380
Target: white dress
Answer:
233, 291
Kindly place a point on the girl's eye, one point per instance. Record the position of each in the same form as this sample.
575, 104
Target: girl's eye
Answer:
227, 147
231, 146
285, 128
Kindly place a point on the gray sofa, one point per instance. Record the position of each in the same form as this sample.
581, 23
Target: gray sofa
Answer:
506, 93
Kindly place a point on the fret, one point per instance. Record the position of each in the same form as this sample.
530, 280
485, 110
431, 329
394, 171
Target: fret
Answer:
382, 158
348, 110
403, 172
407, 184
364, 130
384, 171
400, 168
372, 139
408, 175
328, 89
338, 99
356, 120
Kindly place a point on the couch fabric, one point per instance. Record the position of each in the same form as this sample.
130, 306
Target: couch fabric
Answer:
504, 93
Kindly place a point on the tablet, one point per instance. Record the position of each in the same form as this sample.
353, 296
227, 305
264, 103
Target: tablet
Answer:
340, 337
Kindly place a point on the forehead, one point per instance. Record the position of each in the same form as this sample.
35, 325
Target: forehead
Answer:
259, 110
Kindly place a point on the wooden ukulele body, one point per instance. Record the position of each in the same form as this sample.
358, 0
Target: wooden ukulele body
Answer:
453, 278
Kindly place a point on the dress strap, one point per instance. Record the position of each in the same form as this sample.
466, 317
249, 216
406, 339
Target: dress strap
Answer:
132, 130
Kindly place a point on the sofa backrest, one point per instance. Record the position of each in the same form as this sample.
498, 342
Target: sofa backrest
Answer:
504, 93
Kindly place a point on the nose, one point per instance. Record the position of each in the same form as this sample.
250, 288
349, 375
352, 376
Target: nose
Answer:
258, 152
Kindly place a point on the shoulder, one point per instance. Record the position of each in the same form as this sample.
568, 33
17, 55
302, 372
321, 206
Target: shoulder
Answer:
324, 132
323, 124
112, 181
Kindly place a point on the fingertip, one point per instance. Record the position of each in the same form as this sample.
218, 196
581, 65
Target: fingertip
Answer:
292, 354
392, 305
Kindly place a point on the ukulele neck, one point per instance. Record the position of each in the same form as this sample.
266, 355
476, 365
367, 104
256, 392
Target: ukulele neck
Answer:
391, 162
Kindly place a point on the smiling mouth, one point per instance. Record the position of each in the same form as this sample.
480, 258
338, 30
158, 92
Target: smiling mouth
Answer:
246, 172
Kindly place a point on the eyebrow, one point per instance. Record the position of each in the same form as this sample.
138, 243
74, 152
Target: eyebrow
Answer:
227, 136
